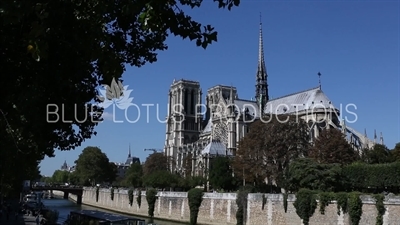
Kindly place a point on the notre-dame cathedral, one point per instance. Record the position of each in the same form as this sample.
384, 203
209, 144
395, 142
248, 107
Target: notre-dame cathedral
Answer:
226, 118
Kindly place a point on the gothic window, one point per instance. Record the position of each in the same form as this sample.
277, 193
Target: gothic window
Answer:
221, 132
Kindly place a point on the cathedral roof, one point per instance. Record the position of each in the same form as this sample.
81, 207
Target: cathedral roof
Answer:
208, 127
216, 148
131, 160
310, 99
252, 106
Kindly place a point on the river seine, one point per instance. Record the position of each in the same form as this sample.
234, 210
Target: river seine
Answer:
64, 206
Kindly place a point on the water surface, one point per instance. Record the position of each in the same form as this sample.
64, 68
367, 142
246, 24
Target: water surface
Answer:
64, 206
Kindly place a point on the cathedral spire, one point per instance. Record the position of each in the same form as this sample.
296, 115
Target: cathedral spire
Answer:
261, 76
129, 152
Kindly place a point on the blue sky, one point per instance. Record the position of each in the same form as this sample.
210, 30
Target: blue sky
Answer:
354, 44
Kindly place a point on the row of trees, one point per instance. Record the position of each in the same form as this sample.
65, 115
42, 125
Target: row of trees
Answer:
270, 148
93, 167
277, 151
58, 52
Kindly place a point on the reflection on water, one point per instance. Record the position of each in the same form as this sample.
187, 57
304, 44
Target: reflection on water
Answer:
64, 206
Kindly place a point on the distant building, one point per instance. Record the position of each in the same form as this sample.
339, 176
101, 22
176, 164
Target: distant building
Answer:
123, 167
65, 167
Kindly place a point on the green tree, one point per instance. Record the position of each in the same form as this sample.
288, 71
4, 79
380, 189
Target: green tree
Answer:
111, 174
305, 205
155, 162
306, 173
60, 51
221, 174
268, 148
60, 177
161, 179
133, 176
73, 178
396, 152
190, 182
93, 166
378, 154
332, 147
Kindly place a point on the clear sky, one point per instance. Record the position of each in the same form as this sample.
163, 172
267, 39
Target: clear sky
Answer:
354, 44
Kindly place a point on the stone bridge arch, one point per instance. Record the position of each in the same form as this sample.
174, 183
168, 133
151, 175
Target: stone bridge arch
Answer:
67, 190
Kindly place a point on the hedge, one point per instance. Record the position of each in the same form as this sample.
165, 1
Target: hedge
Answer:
361, 176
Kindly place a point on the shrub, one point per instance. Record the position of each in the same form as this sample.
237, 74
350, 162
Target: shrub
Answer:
139, 198
305, 204
112, 194
285, 196
97, 194
380, 207
195, 197
342, 202
355, 208
325, 199
241, 202
130, 196
151, 197
264, 201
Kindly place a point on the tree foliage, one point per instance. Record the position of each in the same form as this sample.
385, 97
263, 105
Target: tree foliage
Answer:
161, 179
93, 166
355, 208
155, 162
378, 177
378, 154
60, 51
221, 174
60, 176
306, 173
151, 197
133, 176
305, 204
332, 147
195, 197
265, 152
241, 202
396, 152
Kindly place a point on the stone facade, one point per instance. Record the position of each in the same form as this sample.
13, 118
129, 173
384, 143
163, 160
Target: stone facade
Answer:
220, 208
203, 131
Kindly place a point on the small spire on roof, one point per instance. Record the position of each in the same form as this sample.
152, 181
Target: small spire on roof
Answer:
319, 79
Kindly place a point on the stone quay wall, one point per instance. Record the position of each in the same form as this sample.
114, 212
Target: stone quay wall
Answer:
220, 208
60, 194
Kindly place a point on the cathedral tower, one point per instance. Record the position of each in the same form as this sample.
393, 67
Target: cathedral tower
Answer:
261, 76
184, 118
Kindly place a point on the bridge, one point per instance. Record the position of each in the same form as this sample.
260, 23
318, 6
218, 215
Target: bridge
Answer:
78, 191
